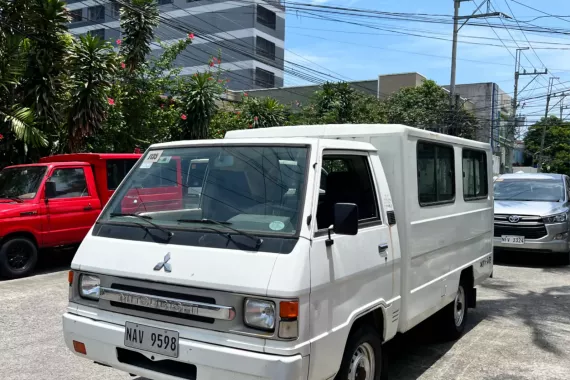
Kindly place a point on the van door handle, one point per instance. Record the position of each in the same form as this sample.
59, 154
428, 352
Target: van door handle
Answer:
382, 249
88, 208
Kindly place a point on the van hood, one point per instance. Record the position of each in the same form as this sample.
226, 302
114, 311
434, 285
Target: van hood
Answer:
200, 267
12, 209
529, 208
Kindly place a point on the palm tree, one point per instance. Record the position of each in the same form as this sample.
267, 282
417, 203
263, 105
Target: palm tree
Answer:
199, 105
92, 64
138, 22
14, 117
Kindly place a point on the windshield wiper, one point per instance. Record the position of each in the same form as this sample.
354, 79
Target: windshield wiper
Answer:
146, 218
257, 239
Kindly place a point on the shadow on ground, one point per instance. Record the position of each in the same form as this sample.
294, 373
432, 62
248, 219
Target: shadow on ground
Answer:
529, 259
411, 354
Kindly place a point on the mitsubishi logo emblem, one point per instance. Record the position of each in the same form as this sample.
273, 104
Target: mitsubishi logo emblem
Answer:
164, 264
514, 218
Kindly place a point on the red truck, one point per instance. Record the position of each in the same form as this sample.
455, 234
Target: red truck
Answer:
54, 203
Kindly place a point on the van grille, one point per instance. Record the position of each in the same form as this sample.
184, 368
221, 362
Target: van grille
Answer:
167, 294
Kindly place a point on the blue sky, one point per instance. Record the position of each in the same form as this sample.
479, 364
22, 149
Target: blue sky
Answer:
354, 52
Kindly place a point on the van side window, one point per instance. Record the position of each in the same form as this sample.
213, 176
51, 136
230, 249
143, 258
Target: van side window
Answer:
116, 172
436, 174
474, 174
70, 183
161, 174
347, 180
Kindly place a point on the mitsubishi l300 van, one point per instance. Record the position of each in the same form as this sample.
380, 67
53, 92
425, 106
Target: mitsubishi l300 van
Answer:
308, 249
531, 214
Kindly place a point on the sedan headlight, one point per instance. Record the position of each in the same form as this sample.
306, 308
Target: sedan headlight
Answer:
558, 218
89, 286
259, 314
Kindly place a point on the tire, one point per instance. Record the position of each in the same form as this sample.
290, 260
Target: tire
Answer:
18, 257
362, 358
453, 317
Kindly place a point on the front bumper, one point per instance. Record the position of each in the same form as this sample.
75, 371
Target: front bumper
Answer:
544, 244
212, 362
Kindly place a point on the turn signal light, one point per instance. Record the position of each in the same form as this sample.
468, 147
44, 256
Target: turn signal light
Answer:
289, 309
79, 347
70, 277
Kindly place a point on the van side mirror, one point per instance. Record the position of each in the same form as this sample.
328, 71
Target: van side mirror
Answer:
50, 190
345, 221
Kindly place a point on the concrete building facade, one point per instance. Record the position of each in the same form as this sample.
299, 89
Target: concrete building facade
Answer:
249, 35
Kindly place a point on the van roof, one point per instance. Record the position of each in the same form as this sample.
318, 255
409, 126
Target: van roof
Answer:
89, 157
350, 130
531, 176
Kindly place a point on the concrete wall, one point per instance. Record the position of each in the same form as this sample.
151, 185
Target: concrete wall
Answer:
390, 83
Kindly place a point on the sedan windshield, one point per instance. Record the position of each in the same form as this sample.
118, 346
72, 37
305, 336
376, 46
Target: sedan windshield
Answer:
544, 190
22, 182
235, 189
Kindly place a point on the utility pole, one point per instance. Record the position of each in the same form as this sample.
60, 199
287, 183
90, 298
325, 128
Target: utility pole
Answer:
562, 107
513, 128
457, 28
548, 96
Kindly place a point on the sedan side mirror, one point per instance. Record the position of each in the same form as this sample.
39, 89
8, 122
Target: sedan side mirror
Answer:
345, 221
50, 190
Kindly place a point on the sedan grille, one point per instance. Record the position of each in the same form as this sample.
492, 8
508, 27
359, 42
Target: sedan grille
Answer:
529, 232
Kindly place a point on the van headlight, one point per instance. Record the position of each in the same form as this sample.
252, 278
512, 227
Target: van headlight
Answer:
259, 314
89, 286
558, 218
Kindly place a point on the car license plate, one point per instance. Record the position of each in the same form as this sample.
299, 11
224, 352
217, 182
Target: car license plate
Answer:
147, 338
509, 239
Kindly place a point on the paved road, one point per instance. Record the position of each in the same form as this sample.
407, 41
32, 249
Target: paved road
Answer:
520, 330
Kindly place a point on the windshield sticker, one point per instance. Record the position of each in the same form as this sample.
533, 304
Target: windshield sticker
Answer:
152, 157
146, 165
164, 159
276, 225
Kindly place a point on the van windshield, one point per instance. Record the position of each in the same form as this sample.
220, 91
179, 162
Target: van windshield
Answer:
22, 182
241, 187
539, 190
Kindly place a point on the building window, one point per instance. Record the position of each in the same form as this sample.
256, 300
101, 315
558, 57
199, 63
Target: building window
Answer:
97, 13
266, 17
265, 48
475, 184
163, 2
76, 15
347, 180
436, 174
264, 78
98, 33
115, 10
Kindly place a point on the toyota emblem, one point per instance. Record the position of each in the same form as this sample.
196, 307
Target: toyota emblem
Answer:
514, 218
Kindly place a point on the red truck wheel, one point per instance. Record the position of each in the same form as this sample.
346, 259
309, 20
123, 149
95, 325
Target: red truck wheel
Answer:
18, 257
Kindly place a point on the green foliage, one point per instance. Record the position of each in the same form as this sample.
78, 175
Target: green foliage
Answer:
92, 63
339, 103
427, 106
262, 112
199, 104
138, 22
556, 155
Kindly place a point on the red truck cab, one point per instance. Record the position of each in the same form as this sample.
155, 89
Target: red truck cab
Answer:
53, 203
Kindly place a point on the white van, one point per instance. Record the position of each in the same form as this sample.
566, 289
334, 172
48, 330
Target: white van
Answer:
261, 282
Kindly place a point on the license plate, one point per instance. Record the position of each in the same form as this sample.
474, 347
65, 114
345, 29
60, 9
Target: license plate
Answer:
512, 239
147, 338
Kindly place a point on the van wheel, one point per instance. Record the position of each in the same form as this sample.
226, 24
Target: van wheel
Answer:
453, 317
18, 257
362, 358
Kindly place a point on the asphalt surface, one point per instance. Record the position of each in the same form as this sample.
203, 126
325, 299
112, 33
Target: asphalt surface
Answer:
519, 330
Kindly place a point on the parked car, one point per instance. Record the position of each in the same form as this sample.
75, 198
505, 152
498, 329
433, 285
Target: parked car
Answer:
531, 213
53, 204
272, 278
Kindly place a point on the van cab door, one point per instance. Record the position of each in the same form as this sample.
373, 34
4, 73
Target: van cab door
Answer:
355, 273
74, 207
